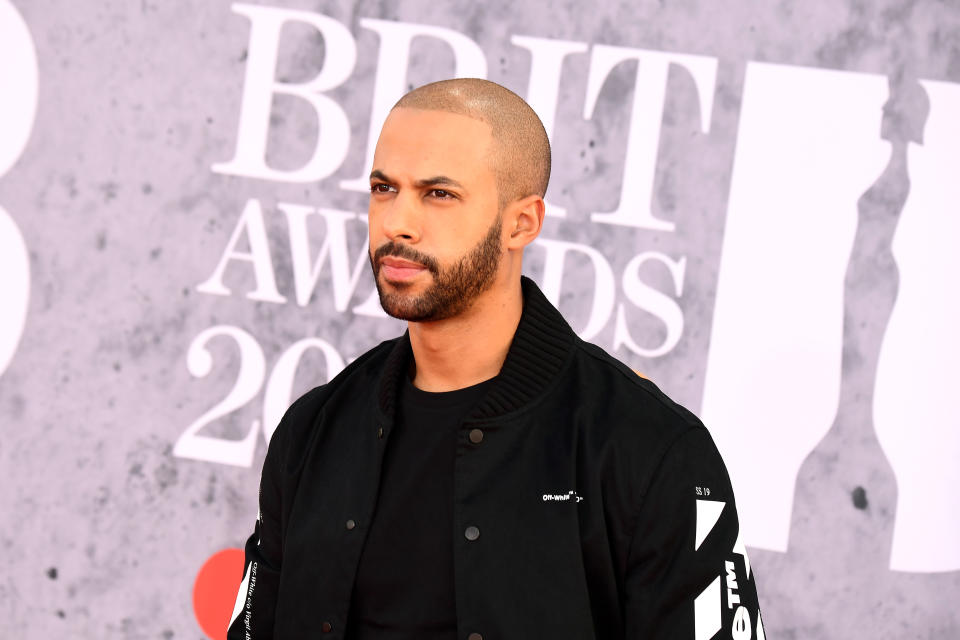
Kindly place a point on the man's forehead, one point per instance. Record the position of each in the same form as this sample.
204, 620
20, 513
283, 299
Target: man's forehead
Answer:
435, 126
435, 141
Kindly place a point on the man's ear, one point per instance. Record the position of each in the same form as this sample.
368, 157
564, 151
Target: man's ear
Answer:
523, 220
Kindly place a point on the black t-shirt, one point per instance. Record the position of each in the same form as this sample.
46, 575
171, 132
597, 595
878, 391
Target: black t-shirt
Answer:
404, 588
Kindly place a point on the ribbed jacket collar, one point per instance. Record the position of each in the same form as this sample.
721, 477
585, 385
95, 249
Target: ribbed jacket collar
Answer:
540, 348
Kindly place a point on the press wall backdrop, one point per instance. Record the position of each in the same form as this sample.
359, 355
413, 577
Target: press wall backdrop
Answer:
755, 204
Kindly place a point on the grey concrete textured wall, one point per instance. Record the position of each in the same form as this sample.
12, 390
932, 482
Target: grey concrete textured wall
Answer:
104, 528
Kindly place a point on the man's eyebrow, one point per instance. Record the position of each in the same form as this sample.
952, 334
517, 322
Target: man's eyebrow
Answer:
445, 181
376, 174
439, 180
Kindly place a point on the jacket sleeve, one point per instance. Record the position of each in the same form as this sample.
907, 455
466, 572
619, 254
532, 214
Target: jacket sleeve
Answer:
688, 575
253, 613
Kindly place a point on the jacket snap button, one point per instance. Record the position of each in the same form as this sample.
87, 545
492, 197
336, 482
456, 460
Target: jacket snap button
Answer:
476, 436
351, 524
326, 627
474, 636
471, 534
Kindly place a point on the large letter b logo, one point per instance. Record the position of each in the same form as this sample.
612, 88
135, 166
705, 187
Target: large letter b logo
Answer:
18, 86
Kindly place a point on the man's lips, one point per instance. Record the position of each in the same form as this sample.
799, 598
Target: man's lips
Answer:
399, 269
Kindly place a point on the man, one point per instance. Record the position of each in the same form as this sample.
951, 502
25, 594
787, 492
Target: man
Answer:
487, 475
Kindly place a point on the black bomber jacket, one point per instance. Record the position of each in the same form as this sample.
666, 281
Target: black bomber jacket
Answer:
603, 508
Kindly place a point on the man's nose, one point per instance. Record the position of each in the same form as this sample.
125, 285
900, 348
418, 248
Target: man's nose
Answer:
401, 220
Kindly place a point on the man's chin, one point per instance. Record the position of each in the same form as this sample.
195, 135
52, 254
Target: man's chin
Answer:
402, 309
399, 300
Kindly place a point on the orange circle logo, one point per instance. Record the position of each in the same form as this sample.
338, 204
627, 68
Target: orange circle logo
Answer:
215, 591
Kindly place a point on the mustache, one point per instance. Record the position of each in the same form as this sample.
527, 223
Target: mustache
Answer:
404, 252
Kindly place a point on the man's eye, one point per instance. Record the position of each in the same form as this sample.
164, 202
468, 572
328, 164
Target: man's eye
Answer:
441, 193
380, 187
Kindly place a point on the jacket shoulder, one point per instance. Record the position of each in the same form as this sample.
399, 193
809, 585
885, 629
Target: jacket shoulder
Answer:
629, 387
667, 448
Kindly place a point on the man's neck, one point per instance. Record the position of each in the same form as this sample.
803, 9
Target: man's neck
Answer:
467, 349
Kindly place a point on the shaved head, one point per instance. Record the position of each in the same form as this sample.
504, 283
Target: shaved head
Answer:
521, 155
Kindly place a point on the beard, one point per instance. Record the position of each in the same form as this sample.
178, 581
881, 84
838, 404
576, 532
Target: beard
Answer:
453, 289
